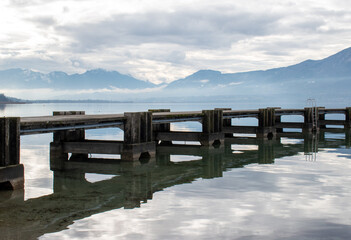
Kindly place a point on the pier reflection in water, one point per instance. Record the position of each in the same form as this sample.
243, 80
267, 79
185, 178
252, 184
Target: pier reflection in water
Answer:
133, 184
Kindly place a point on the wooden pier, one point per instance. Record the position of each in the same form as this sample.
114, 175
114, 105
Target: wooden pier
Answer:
144, 131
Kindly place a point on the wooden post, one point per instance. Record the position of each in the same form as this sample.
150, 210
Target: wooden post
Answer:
278, 119
348, 138
57, 156
11, 171
321, 117
212, 127
162, 127
69, 135
9, 141
138, 136
266, 123
226, 123
212, 121
308, 120
347, 117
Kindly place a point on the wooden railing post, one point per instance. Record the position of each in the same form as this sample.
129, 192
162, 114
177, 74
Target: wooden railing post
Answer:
11, 171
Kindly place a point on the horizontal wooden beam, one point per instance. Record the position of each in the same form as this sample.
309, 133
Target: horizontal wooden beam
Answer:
240, 129
178, 136
289, 125
332, 122
93, 146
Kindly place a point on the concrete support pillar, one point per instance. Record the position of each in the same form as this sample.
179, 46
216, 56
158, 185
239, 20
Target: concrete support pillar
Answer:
309, 120
11, 171
212, 126
348, 117
162, 127
266, 123
138, 136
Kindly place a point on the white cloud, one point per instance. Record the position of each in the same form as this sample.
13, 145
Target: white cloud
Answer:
166, 40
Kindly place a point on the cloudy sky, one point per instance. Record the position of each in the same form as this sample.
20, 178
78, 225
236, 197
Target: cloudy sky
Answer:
163, 40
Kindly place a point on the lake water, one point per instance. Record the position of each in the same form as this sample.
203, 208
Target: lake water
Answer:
249, 189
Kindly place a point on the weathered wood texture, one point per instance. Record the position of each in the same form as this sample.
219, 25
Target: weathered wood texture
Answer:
9, 141
69, 135
138, 127
161, 127
212, 121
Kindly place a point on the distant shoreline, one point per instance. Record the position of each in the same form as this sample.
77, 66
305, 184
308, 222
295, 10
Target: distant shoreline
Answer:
76, 101
12, 102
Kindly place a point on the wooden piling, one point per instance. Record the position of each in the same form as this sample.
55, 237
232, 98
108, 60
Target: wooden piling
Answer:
212, 127
226, 122
69, 135
266, 123
138, 136
347, 117
161, 127
310, 124
57, 154
321, 118
11, 171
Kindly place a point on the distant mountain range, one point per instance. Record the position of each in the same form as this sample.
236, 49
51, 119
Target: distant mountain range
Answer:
97, 78
328, 79
336, 66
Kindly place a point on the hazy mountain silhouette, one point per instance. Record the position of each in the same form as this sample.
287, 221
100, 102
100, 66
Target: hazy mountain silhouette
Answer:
97, 78
328, 79
334, 68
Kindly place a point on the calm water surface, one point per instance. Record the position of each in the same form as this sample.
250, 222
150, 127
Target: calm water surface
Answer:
283, 189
